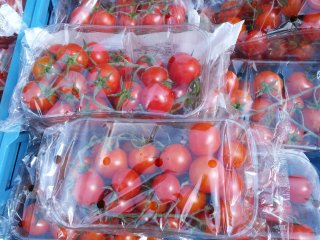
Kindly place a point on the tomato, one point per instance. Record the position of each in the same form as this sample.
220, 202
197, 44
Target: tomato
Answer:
144, 159
176, 14
207, 174
108, 162
121, 206
124, 6
231, 82
122, 58
301, 232
151, 206
170, 223
311, 119
300, 189
254, 44
127, 237
61, 109
268, 20
98, 55
298, 82
42, 66
260, 111
154, 74
127, 20
80, 15
311, 21
166, 187
129, 98
92, 236
152, 19
53, 50
32, 221
294, 106
204, 139
126, 183
314, 4
234, 154
191, 200
180, 94
261, 133
102, 17
304, 51
157, 98
175, 159
183, 68
290, 133
107, 77
292, 8
268, 83
148, 61
73, 57
38, 96
88, 188
150, 7
277, 49
233, 187
73, 83
241, 100
229, 9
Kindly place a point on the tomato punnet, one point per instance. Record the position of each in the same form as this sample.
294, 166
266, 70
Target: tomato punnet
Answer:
300, 189
157, 98
80, 15
191, 200
311, 116
292, 9
268, 20
98, 55
42, 66
107, 162
38, 96
204, 139
92, 236
146, 61
301, 232
32, 221
61, 109
207, 174
241, 100
183, 68
126, 183
175, 159
107, 77
260, 111
166, 187
254, 44
102, 17
144, 159
154, 74
72, 57
314, 4
294, 106
298, 82
290, 133
150, 206
129, 98
127, 20
268, 83
73, 83
92, 185
234, 154
176, 14
231, 83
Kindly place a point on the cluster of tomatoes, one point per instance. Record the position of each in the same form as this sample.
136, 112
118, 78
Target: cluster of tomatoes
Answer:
129, 13
70, 79
6, 51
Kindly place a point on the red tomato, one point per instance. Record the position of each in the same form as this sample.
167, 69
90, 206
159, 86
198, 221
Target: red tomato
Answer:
171, 223
191, 200
102, 17
180, 94
92, 236
108, 162
42, 66
233, 187
152, 19
107, 77
292, 8
126, 20
154, 74
303, 51
92, 185
127, 237
314, 4
259, 109
61, 109
175, 159
126, 183
73, 83
126, 6
98, 55
298, 82
144, 159
148, 61
151, 206
301, 232
234, 154
268, 20
73, 57
38, 96
254, 44
32, 222
80, 15
311, 21
166, 187
231, 83
268, 83
54, 49
241, 100
300, 189
262, 134
121, 206
311, 118
183, 68
129, 98
157, 98
207, 174
204, 139
176, 14
122, 58
229, 9
277, 49
293, 106
290, 133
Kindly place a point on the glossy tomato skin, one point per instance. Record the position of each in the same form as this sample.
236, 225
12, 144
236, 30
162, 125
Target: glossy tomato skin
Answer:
231, 82
126, 20
80, 15
166, 187
130, 97
92, 185
234, 154
151, 206
254, 44
207, 174
268, 20
268, 83
98, 55
72, 57
292, 9
152, 19
157, 98
300, 189
121, 206
73, 83
102, 17
144, 159
146, 61
183, 68
204, 139
176, 14
241, 100
32, 223
154, 74
126, 183
175, 159
311, 119
298, 82
53, 50
301, 232
259, 109
191, 200
108, 162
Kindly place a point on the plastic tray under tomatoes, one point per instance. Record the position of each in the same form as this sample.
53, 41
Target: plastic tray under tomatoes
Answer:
165, 178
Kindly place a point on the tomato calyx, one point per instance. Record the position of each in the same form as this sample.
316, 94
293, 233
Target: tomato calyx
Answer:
266, 88
124, 95
72, 61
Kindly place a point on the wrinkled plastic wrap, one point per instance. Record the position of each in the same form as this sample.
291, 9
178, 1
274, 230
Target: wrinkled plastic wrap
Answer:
6, 51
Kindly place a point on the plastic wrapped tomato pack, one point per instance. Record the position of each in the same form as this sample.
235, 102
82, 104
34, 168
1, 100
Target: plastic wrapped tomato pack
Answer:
6, 50
126, 12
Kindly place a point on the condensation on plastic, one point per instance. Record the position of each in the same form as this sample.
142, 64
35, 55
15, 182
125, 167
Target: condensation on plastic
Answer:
212, 53
105, 151
11, 21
